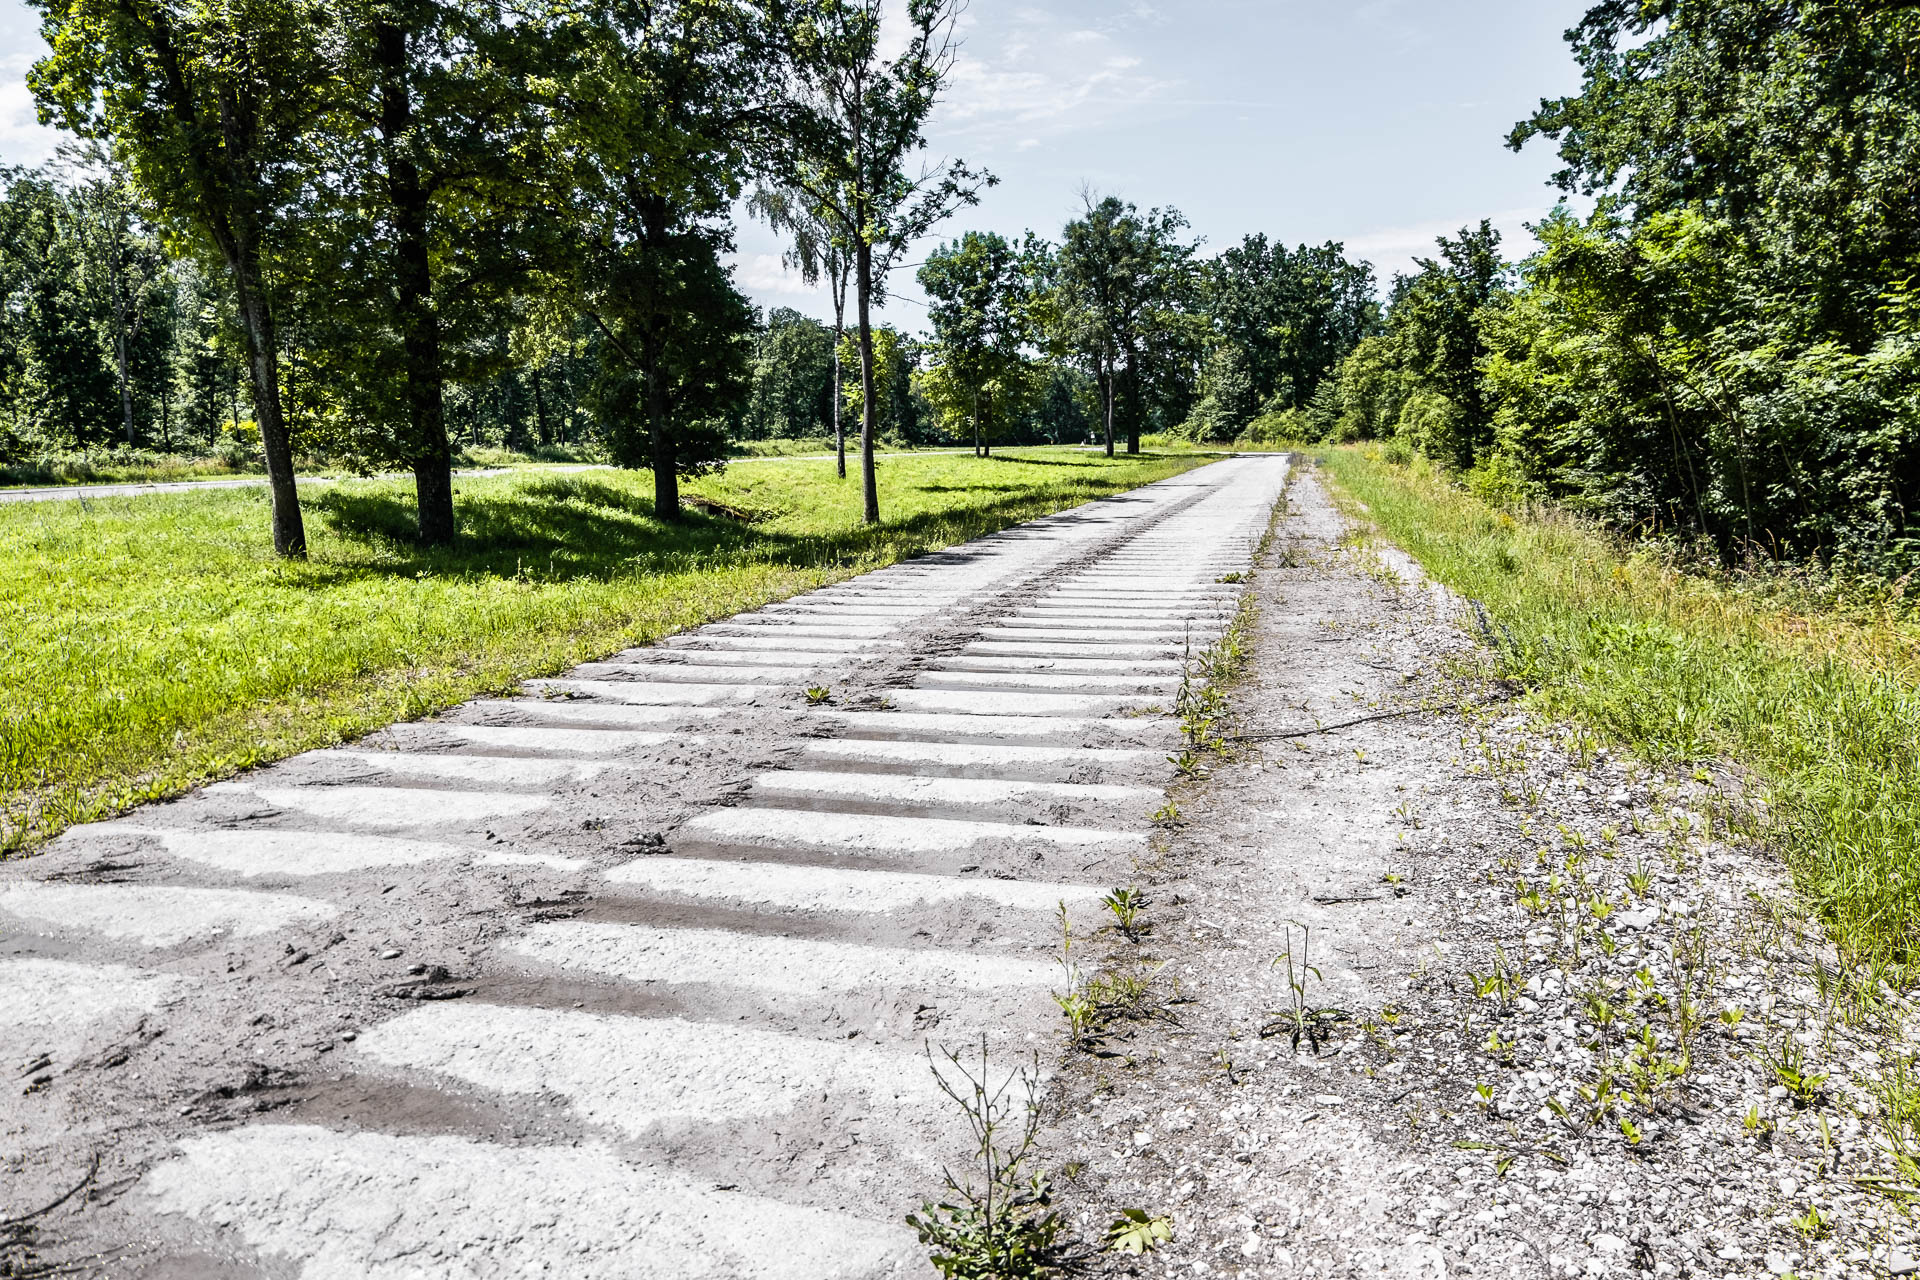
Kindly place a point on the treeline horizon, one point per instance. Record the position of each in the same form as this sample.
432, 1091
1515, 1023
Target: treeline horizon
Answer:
116, 344
515, 230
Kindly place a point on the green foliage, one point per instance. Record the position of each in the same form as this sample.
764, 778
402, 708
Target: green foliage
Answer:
1290, 316
1728, 348
1136, 1231
995, 1223
984, 305
1125, 304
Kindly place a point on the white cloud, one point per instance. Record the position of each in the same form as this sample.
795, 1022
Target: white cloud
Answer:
1029, 76
767, 273
23, 139
1392, 249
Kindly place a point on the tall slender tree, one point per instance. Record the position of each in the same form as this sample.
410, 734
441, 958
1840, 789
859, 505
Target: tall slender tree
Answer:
866, 121
662, 109
818, 251
1121, 279
209, 104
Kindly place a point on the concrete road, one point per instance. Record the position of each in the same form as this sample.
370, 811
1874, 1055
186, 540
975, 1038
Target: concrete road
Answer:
636, 975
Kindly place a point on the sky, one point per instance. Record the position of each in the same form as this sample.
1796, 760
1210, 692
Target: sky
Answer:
1377, 123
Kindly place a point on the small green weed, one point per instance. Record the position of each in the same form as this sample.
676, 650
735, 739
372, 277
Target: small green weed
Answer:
995, 1223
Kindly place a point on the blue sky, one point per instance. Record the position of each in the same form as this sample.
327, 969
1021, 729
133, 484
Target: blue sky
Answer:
1380, 123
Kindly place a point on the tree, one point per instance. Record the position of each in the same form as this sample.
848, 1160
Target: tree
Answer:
1437, 324
54, 371
1124, 285
209, 106
818, 251
664, 106
123, 272
982, 291
795, 382
680, 367
1292, 315
867, 119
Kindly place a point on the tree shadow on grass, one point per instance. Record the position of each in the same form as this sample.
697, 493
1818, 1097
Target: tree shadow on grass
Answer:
1058, 462
563, 528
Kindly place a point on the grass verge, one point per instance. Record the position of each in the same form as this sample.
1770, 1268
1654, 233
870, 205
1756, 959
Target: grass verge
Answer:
155, 643
1821, 705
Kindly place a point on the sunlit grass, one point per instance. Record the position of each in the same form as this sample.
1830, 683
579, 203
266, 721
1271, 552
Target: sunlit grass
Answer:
1823, 705
154, 643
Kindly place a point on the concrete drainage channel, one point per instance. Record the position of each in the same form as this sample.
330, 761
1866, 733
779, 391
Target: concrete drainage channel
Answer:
634, 976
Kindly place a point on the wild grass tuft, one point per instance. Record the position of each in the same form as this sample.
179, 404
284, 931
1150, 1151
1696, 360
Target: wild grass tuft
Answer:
1812, 687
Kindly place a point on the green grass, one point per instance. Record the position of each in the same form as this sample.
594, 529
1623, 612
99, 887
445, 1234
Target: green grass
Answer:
154, 643
1818, 698
144, 466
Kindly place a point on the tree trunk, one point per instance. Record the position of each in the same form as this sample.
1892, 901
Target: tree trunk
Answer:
1133, 409
126, 386
986, 436
226, 183
427, 447
263, 356
839, 332
666, 475
976, 424
869, 489
1106, 385
541, 430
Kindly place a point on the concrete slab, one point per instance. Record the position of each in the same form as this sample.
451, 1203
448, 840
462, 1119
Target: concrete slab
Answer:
159, 915
779, 627
789, 787
1073, 649
492, 771
587, 743
371, 1206
650, 693
796, 888
773, 966
943, 677
283, 853
703, 639
393, 807
838, 834
59, 1008
988, 702
630, 1074
956, 760
664, 670
690, 659
1073, 625
1075, 666
1058, 731
588, 711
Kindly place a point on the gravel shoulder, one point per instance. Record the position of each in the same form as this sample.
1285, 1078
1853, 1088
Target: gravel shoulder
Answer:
1560, 1018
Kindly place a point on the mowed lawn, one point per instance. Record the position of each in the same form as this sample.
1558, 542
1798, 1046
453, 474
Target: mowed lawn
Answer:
155, 643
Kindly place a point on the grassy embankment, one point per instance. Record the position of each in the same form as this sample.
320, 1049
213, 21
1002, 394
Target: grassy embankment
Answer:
154, 643
1817, 694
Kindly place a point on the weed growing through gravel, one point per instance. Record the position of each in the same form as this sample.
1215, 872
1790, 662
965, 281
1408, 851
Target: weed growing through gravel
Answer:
1128, 907
995, 1223
1136, 1231
1301, 1020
